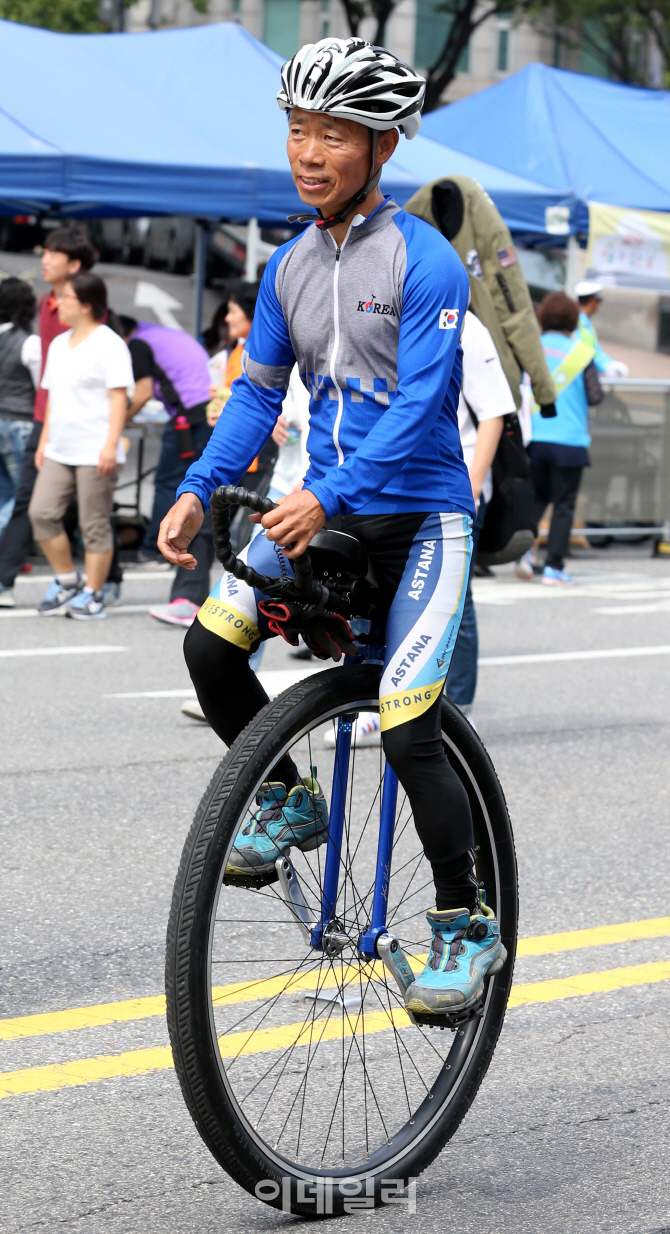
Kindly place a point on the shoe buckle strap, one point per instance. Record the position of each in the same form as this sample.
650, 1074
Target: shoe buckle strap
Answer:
454, 951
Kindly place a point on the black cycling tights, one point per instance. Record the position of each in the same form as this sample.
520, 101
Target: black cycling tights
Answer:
230, 695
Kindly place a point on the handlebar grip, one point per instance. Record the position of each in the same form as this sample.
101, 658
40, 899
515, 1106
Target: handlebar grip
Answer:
233, 496
227, 495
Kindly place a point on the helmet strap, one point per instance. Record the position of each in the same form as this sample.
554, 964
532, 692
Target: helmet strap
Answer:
332, 220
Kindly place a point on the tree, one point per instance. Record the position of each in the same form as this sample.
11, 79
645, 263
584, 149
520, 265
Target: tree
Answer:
615, 31
72, 16
381, 10
355, 12
657, 17
66, 16
466, 17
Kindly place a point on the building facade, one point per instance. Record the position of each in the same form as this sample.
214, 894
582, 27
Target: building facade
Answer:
415, 32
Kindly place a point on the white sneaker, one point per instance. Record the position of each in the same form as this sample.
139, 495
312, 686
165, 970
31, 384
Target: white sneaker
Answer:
87, 605
523, 568
193, 709
7, 597
367, 731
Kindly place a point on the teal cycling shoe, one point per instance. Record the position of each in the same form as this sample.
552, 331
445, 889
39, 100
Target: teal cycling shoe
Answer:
465, 949
282, 820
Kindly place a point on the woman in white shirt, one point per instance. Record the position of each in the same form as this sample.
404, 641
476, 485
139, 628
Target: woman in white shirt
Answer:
87, 374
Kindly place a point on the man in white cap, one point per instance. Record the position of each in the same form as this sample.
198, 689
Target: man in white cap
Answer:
589, 295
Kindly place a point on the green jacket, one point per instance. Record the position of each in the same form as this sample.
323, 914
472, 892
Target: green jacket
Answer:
463, 211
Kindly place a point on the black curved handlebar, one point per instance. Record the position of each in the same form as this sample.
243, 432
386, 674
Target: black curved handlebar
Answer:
307, 590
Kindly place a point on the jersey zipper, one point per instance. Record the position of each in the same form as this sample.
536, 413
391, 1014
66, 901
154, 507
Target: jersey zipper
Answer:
333, 354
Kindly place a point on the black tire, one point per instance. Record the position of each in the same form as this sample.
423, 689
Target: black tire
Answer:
232, 1139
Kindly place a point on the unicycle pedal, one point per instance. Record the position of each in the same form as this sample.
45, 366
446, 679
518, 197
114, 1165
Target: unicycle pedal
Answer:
456, 1019
252, 881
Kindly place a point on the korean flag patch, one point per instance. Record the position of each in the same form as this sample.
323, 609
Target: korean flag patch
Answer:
448, 319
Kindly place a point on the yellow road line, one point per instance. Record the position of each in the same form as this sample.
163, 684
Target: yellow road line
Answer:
246, 991
589, 983
140, 1062
573, 940
84, 1071
81, 1017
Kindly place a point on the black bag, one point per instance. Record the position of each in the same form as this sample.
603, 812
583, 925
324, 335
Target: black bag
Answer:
592, 386
509, 526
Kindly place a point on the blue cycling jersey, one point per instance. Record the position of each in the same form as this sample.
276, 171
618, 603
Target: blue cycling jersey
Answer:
374, 327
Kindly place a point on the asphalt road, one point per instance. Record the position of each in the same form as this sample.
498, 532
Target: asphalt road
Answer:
569, 1133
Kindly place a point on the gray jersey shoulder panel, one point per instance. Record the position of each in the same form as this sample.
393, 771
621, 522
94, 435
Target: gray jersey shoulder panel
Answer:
370, 292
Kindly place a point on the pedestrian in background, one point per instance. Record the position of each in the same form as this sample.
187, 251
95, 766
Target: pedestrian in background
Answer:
20, 366
240, 307
171, 366
87, 376
485, 398
67, 250
559, 448
239, 319
589, 295
217, 344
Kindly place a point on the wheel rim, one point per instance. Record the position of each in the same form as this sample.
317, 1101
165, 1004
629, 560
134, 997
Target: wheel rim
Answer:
341, 1089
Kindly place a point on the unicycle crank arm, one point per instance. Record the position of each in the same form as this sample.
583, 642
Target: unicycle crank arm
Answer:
394, 959
293, 894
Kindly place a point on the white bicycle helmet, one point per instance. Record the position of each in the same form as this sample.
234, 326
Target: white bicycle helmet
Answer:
352, 79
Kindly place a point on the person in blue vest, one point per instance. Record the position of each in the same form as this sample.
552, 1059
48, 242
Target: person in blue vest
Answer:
559, 447
589, 295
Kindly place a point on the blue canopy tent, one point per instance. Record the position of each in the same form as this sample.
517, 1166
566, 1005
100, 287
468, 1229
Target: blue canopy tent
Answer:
178, 122
522, 202
589, 139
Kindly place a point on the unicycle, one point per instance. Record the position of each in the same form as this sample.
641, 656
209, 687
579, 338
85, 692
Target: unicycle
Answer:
307, 1079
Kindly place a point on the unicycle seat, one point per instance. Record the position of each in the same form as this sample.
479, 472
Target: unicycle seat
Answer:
338, 556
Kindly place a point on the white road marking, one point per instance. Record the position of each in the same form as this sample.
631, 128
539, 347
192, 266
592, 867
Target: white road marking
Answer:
149, 295
551, 657
154, 693
58, 651
661, 606
130, 576
275, 681
487, 591
113, 608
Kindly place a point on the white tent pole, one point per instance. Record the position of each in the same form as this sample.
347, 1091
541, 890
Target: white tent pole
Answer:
199, 272
572, 265
253, 236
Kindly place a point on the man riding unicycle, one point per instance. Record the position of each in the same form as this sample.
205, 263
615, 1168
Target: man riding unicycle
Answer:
369, 302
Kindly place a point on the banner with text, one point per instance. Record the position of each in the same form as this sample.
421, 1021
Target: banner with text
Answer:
629, 248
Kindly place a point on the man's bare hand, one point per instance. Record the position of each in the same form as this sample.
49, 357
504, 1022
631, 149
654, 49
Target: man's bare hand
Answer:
297, 518
178, 528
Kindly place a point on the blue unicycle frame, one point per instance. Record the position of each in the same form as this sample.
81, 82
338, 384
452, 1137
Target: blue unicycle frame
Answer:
377, 925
